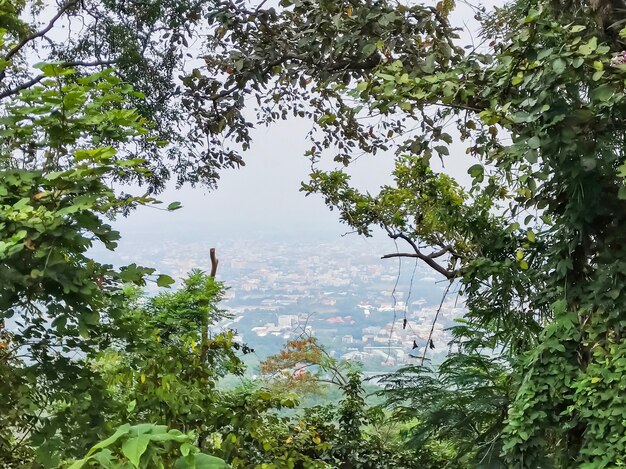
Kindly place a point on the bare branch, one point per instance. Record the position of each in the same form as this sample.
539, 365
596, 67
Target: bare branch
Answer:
15, 49
427, 258
80, 63
205, 319
22, 86
214, 262
258, 8
449, 274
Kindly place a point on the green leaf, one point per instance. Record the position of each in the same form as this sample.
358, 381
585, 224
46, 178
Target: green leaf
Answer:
621, 194
169, 436
151, 428
134, 273
51, 69
442, 150
78, 464
476, 171
513, 227
185, 448
174, 206
532, 156
559, 307
204, 461
165, 281
200, 461
559, 65
589, 47
123, 430
534, 142
105, 458
369, 49
602, 93
134, 448
531, 236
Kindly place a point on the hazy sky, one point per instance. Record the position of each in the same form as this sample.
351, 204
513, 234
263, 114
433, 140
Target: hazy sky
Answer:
263, 197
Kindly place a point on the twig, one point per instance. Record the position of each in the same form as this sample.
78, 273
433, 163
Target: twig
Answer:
395, 302
431, 263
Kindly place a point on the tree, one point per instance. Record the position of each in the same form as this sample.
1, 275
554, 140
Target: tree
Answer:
82, 353
302, 365
535, 241
163, 372
148, 45
351, 429
54, 199
196, 61
463, 406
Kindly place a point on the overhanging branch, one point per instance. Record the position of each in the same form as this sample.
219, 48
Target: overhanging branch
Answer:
449, 274
426, 258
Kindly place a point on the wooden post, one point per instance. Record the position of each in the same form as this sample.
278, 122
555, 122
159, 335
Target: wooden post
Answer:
214, 263
205, 320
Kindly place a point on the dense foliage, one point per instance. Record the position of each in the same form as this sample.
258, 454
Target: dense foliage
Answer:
535, 242
94, 372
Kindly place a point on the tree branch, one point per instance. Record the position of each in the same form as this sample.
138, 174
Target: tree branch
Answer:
445, 250
449, 274
427, 258
429, 341
23, 86
336, 67
15, 49
80, 63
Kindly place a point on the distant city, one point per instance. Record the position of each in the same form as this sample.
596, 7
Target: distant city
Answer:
360, 307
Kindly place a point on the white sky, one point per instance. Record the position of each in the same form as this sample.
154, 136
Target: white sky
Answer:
263, 197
